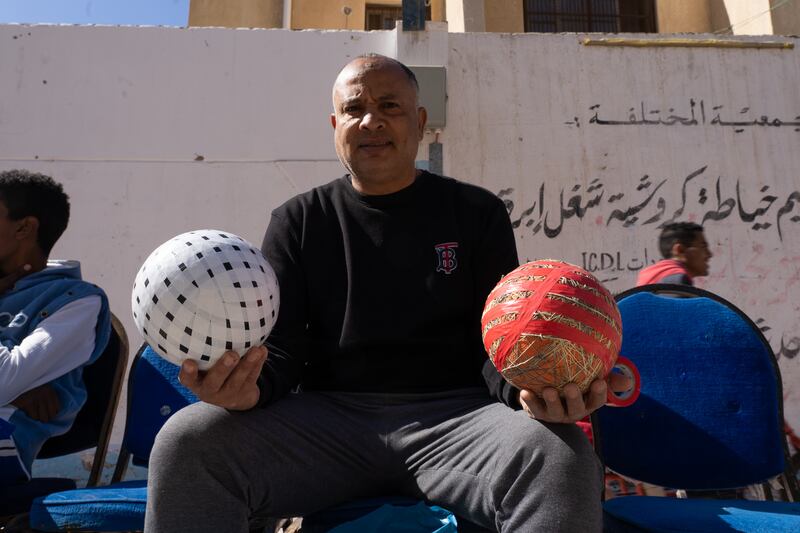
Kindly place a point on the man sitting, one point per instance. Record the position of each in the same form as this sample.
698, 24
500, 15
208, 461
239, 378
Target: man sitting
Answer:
52, 323
383, 274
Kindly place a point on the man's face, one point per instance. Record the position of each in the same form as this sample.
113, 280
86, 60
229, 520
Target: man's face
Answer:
377, 125
697, 255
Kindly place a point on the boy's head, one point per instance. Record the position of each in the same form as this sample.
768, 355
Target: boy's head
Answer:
33, 207
685, 242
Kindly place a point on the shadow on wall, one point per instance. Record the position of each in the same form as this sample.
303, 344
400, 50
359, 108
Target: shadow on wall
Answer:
719, 17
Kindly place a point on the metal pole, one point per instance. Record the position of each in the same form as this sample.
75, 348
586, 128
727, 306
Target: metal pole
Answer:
413, 15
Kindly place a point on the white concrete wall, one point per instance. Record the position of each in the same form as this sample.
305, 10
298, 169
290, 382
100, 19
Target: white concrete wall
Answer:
749, 17
465, 15
157, 131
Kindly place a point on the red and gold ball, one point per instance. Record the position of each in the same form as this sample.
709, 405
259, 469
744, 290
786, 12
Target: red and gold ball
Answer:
548, 323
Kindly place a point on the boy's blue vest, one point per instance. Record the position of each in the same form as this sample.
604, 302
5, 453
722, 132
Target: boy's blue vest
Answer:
34, 298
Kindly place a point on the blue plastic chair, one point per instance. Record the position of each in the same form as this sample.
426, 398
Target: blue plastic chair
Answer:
709, 417
91, 429
154, 394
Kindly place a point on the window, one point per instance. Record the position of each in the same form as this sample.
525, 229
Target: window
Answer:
380, 17
610, 16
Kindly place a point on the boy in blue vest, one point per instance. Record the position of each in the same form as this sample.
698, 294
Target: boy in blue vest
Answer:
52, 323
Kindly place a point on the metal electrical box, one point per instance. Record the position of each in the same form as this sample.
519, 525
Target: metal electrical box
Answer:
432, 93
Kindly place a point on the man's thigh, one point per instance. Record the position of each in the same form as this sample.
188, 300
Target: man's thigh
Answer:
303, 453
487, 462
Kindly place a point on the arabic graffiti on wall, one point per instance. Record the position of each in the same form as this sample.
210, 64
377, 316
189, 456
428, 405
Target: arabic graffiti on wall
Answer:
714, 199
697, 116
789, 345
700, 195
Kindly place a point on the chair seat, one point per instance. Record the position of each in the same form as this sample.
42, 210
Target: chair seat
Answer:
117, 507
17, 499
652, 513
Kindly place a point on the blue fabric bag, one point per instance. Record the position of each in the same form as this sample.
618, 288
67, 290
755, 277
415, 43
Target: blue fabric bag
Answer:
419, 518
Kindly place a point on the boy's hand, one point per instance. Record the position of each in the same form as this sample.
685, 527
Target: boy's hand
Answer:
40, 403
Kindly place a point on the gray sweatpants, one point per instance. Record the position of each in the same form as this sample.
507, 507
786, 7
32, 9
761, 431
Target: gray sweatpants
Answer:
211, 469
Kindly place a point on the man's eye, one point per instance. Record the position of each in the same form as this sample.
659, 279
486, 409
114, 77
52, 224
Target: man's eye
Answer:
390, 104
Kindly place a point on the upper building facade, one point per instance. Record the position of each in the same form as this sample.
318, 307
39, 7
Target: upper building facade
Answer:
737, 17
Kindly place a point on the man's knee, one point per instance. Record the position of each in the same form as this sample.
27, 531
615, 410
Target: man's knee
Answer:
551, 481
190, 434
555, 455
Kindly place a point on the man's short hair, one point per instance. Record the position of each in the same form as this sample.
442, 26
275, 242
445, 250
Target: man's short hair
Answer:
27, 193
681, 232
410, 73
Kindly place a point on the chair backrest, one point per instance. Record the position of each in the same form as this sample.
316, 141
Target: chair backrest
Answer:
710, 413
93, 425
154, 394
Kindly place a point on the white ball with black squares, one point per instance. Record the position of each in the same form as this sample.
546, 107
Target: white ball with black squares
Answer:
202, 293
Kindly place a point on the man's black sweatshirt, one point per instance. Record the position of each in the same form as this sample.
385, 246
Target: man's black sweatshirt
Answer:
385, 293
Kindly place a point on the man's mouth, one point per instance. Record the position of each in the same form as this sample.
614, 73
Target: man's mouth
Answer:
375, 144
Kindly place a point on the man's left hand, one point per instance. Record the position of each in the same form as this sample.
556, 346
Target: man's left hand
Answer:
40, 403
574, 406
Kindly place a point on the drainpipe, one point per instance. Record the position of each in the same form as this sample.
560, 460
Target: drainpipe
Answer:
287, 14
414, 15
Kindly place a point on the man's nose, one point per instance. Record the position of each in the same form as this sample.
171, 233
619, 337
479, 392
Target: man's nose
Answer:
371, 121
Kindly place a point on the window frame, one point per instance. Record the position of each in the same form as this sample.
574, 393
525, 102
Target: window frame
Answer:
629, 16
387, 9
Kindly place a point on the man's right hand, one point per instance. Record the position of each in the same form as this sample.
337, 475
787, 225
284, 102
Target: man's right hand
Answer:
8, 281
230, 383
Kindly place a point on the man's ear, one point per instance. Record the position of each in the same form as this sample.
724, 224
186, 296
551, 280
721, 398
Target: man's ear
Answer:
677, 251
333, 120
27, 228
422, 118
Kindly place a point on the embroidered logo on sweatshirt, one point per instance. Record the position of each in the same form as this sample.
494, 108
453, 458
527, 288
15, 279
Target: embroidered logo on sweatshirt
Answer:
446, 257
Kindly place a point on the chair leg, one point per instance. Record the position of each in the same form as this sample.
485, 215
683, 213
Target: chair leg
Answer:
789, 487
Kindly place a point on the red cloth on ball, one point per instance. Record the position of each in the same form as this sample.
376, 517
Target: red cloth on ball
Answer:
548, 323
